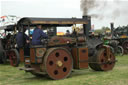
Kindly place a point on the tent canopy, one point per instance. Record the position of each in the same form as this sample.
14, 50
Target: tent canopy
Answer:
8, 28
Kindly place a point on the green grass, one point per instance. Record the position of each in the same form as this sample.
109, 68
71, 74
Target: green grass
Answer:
118, 76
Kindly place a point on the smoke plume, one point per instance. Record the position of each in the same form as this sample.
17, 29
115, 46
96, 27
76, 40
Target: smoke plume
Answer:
87, 5
100, 9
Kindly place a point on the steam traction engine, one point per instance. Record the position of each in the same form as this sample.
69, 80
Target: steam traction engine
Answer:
8, 50
58, 55
121, 35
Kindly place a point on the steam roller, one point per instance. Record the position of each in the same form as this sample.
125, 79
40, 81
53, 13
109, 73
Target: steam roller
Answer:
58, 55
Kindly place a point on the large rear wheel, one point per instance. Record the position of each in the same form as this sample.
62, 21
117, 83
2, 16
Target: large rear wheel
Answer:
120, 51
58, 63
125, 46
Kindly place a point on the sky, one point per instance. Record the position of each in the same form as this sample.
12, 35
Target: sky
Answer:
109, 11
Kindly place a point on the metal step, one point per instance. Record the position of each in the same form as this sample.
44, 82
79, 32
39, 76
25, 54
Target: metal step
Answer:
26, 69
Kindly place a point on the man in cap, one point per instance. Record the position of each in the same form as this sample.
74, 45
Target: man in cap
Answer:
37, 35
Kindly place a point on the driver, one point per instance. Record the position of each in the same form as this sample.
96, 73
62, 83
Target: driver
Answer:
37, 35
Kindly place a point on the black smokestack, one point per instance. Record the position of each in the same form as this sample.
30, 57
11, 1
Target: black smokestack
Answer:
87, 27
112, 29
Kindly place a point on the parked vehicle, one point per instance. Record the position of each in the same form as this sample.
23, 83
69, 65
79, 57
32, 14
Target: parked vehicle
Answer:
8, 49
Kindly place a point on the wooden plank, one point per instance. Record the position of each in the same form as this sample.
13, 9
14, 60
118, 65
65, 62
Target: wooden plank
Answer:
75, 58
21, 55
83, 58
32, 55
57, 22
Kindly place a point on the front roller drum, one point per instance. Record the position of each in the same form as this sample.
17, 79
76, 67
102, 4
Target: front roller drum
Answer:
58, 63
100, 62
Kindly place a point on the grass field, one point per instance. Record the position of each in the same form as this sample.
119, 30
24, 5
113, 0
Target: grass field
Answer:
118, 76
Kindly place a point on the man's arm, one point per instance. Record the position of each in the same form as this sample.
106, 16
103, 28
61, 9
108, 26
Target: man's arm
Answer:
44, 35
27, 38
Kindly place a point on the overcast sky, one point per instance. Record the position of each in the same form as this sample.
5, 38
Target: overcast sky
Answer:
114, 11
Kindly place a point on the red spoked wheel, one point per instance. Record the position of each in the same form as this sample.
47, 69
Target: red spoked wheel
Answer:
14, 57
101, 62
58, 63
